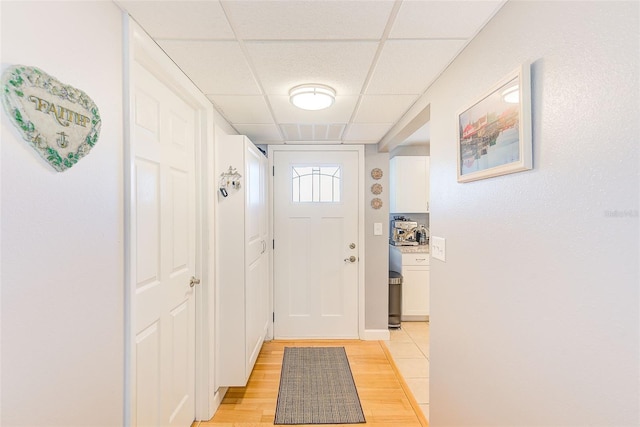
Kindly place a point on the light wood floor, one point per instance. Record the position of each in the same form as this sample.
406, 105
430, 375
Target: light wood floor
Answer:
386, 399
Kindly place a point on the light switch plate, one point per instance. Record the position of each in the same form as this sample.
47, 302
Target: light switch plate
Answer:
438, 248
377, 229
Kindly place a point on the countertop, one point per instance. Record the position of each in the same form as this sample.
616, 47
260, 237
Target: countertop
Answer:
419, 249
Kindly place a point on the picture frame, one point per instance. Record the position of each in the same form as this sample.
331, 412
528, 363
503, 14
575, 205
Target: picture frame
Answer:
494, 132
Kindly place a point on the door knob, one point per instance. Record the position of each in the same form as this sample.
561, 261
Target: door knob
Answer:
350, 259
193, 281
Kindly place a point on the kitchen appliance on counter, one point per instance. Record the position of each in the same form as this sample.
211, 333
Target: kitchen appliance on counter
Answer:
405, 232
422, 235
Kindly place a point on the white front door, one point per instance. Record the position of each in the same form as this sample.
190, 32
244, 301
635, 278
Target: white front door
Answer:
164, 254
316, 234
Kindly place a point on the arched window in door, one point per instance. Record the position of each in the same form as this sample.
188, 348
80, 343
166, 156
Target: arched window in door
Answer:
316, 184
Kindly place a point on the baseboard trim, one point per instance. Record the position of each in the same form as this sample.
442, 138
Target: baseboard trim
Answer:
407, 391
415, 318
376, 335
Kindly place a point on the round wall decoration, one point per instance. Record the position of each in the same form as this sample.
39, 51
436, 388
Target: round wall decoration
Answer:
376, 188
376, 203
376, 173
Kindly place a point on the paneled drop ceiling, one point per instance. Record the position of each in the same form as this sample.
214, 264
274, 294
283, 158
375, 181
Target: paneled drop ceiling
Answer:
380, 56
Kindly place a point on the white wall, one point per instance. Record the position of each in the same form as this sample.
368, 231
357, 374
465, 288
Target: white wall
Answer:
62, 233
534, 315
376, 251
410, 150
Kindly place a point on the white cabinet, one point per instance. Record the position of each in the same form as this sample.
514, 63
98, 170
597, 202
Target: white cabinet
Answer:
414, 268
242, 249
409, 184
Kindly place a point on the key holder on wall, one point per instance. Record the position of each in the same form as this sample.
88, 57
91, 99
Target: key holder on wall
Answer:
229, 180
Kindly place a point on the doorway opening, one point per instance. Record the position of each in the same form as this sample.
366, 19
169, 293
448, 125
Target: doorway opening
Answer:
318, 232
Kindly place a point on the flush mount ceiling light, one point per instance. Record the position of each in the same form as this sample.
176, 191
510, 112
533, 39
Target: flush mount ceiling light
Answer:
312, 96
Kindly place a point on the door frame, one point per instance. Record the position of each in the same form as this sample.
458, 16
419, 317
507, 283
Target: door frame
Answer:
359, 149
140, 48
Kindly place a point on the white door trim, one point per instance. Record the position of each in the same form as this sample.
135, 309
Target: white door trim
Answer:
140, 48
361, 265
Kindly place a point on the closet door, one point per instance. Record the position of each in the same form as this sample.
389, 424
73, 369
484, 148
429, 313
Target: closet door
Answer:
256, 278
163, 140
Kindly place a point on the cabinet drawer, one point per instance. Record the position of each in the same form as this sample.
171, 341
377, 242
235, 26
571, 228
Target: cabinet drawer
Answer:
415, 259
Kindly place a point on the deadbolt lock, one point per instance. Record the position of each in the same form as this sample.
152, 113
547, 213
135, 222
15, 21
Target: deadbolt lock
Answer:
352, 246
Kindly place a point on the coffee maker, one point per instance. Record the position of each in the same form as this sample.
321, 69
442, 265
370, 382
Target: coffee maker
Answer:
403, 232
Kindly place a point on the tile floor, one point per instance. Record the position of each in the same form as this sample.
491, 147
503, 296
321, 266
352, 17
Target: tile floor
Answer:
409, 347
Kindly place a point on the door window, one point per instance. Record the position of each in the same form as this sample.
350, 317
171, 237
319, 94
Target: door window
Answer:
316, 184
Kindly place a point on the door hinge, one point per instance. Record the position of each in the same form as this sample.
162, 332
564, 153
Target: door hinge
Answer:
273, 171
274, 243
274, 316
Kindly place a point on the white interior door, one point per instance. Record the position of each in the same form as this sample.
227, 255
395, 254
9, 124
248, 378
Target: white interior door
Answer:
163, 142
257, 255
316, 233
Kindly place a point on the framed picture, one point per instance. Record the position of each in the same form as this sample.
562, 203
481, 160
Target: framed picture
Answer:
494, 133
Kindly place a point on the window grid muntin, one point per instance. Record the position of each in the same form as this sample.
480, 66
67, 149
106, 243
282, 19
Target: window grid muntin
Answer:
323, 183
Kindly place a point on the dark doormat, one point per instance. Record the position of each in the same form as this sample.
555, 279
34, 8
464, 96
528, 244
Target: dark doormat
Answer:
316, 387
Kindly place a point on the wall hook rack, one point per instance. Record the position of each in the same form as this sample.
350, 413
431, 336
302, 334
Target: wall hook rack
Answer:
229, 180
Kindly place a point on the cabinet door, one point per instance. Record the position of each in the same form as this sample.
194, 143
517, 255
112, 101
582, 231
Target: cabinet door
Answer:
257, 262
427, 174
254, 204
409, 182
257, 306
415, 291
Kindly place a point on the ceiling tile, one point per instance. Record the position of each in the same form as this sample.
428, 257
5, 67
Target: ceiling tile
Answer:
189, 19
304, 20
340, 111
283, 65
243, 108
258, 132
313, 132
409, 66
338, 142
285, 43
442, 19
349, 142
367, 132
383, 108
218, 68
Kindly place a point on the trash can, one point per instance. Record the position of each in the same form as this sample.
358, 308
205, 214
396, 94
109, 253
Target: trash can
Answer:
395, 299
